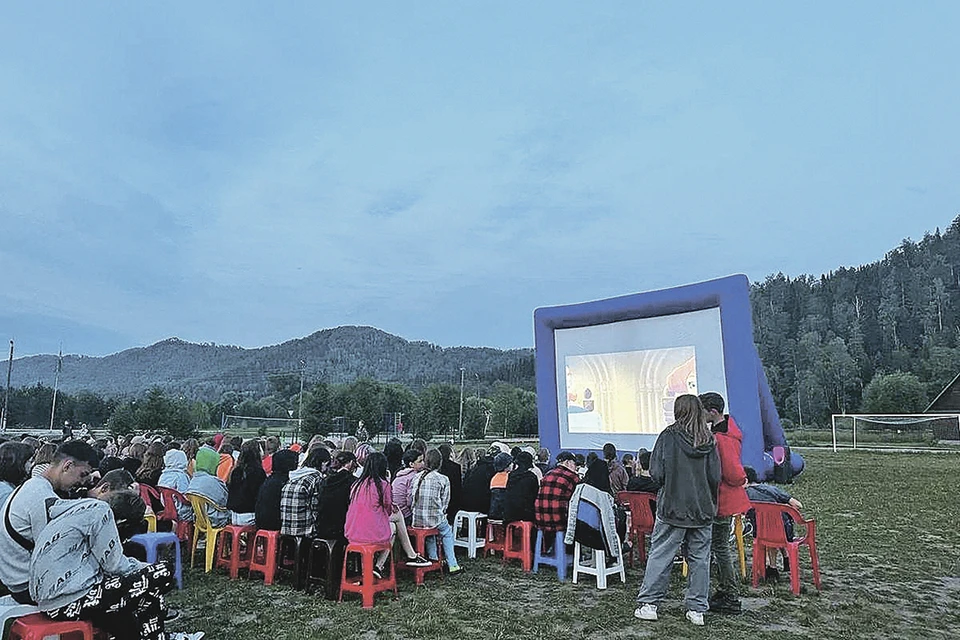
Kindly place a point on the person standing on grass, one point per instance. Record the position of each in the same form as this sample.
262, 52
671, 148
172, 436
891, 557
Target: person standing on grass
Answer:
686, 464
430, 496
732, 500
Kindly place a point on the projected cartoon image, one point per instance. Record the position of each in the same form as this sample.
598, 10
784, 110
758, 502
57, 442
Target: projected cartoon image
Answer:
627, 392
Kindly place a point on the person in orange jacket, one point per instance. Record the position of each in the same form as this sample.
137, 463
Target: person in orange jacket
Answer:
732, 500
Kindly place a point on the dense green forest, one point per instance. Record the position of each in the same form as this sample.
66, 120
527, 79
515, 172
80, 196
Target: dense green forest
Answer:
882, 337
824, 340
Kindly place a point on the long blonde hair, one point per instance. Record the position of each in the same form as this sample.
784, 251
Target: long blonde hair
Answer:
690, 420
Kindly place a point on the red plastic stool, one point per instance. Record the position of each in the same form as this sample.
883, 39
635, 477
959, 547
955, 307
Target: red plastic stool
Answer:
38, 626
494, 541
263, 558
229, 555
369, 585
418, 538
514, 550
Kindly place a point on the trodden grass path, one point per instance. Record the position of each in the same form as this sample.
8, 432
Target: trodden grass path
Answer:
889, 543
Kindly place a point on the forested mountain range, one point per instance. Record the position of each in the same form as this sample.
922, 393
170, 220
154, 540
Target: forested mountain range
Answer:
821, 339
343, 354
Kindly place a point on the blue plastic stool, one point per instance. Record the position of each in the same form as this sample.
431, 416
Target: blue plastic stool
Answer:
153, 541
559, 559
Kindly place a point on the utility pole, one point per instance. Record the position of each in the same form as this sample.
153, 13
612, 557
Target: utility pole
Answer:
6, 395
300, 407
460, 422
56, 386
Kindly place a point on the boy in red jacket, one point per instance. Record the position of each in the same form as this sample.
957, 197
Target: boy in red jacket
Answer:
732, 500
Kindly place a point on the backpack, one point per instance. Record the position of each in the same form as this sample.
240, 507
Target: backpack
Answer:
782, 467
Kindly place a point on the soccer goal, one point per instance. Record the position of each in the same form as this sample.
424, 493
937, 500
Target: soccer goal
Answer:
893, 430
253, 426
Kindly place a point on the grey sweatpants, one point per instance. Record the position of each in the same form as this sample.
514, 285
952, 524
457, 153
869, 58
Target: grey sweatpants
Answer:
664, 546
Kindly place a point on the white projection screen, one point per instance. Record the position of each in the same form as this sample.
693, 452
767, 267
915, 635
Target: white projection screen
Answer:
617, 382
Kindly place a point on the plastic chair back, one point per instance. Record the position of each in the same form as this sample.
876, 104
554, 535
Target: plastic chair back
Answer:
640, 506
200, 505
148, 494
171, 499
770, 529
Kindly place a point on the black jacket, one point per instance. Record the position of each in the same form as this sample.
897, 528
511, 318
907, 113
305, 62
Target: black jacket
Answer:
690, 480
267, 508
243, 488
521, 493
334, 500
475, 493
643, 483
454, 472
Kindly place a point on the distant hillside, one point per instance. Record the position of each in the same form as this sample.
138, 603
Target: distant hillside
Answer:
204, 371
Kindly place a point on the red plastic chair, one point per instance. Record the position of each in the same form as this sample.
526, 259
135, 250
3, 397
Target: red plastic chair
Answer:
770, 534
368, 585
171, 500
38, 626
642, 518
517, 544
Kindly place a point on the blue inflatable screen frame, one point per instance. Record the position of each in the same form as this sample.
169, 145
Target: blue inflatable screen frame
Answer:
748, 393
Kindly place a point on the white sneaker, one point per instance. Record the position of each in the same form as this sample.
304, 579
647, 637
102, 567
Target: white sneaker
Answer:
695, 617
185, 636
647, 612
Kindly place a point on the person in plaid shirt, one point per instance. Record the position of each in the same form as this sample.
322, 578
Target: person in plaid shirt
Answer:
300, 497
430, 497
553, 498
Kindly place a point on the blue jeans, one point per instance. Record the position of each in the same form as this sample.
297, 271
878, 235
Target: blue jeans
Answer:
446, 538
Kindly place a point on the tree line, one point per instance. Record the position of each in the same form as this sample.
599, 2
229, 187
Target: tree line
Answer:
879, 338
500, 408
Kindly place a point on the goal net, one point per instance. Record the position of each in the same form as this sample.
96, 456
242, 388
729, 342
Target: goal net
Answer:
899, 430
253, 426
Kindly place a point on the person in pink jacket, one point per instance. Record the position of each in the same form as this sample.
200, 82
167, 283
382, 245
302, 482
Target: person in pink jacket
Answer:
412, 463
372, 517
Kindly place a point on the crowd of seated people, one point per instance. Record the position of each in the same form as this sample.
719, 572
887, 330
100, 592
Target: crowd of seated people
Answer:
347, 491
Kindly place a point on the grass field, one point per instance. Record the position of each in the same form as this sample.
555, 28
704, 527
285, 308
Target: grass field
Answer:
889, 546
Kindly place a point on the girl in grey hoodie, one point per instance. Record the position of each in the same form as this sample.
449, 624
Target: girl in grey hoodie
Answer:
686, 464
175, 476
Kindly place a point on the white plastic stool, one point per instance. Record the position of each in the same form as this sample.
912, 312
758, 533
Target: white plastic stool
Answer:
599, 567
10, 609
471, 543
